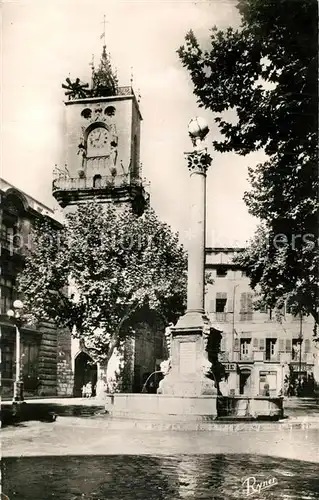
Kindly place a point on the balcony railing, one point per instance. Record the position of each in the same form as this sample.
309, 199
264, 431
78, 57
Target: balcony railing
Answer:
105, 182
118, 91
246, 316
272, 357
125, 90
221, 317
246, 357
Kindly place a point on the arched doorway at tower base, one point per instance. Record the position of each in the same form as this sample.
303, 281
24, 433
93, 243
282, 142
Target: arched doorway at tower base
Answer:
85, 371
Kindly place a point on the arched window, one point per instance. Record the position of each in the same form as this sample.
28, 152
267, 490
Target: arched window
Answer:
97, 181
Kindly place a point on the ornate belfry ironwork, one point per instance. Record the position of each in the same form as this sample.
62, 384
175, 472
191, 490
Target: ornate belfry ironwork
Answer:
104, 81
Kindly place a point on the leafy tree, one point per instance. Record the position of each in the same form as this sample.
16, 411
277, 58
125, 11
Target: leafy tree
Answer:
264, 75
102, 271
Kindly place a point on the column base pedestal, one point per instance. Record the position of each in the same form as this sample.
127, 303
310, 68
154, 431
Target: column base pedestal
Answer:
194, 345
175, 384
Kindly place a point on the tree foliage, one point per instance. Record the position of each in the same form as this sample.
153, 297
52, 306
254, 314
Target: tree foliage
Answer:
265, 72
101, 271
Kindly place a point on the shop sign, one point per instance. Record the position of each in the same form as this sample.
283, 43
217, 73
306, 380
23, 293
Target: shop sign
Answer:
299, 367
230, 367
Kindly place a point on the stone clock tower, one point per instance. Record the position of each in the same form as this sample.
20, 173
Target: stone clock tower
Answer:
102, 143
102, 162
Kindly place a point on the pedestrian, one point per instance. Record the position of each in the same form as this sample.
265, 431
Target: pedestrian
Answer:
84, 391
89, 390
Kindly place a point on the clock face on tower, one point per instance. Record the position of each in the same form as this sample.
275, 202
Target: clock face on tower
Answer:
98, 138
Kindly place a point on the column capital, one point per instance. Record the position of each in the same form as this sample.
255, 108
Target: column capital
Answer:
198, 161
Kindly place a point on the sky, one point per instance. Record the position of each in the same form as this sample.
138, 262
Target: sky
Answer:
44, 42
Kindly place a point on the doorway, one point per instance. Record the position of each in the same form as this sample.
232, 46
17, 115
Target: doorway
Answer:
245, 382
85, 371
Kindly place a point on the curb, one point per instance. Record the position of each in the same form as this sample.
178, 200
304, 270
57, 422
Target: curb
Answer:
140, 425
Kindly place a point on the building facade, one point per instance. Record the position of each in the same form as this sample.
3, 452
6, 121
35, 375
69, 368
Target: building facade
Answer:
38, 343
260, 354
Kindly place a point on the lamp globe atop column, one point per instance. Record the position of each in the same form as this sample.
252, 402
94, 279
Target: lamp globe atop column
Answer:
18, 304
10, 313
198, 128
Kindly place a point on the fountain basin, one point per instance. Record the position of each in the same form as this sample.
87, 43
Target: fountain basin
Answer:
257, 407
192, 408
162, 406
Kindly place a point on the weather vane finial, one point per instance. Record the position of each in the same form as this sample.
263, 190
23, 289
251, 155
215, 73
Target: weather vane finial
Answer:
103, 36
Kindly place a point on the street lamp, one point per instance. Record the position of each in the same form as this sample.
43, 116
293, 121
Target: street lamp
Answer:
15, 316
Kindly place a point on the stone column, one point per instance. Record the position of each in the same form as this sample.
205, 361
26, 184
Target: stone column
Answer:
193, 332
198, 163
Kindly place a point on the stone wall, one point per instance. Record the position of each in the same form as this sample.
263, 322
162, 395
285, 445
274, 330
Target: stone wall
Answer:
65, 375
64, 379
47, 367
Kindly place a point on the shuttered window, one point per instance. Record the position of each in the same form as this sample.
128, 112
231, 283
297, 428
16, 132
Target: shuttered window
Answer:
211, 306
281, 345
255, 344
223, 344
246, 306
307, 345
288, 345
262, 344
236, 344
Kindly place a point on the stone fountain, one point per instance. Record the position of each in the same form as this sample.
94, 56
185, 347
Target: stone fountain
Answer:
188, 390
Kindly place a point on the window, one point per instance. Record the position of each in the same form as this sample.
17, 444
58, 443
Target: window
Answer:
8, 294
7, 361
271, 351
86, 113
307, 345
245, 345
221, 299
6, 232
246, 306
295, 351
221, 271
97, 181
110, 111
